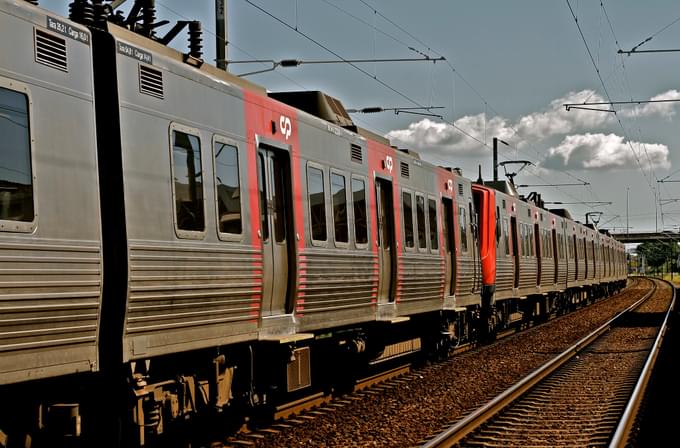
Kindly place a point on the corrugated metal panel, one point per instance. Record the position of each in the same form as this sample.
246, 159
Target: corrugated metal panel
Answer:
562, 272
421, 277
528, 272
49, 295
547, 272
179, 287
332, 280
505, 274
581, 269
466, 276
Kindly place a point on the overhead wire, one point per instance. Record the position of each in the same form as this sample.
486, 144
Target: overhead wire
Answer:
626, 84
212, 33
456, 72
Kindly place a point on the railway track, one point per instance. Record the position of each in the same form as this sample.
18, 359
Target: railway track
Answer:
586, 396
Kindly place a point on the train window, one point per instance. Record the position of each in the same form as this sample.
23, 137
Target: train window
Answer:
317, 203
339, 193
463, 229
506, 239
420, 215
227, 188
16, 178
188, 181
407, 205
359, 201
432, 215
262, 190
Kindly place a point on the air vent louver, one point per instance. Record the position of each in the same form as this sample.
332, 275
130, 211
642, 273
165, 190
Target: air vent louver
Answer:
355, 154
405, 170
50, 50
460, 189
151, 81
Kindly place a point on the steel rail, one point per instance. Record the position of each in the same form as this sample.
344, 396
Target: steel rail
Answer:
623, 430
454, 434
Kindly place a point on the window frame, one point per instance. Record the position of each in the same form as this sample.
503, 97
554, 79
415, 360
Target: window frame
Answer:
7, 225
315, 242
437, 218
331, 172
406, 247
195, 132
505, 225
425, 226
463, 230
353, 230
225, 236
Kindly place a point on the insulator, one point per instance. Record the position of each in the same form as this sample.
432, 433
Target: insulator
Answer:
195, 39
100, 12
81, 11
148, 18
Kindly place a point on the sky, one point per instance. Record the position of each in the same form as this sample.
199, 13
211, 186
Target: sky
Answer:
510, 66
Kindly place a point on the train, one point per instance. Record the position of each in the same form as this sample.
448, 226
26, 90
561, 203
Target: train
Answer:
177, 241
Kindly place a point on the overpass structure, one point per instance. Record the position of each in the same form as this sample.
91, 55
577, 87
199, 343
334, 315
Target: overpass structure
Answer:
641, 237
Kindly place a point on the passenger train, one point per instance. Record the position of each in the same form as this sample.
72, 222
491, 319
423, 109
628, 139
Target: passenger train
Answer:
175, 240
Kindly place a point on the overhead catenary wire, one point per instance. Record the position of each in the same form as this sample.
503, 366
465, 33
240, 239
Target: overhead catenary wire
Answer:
604, 87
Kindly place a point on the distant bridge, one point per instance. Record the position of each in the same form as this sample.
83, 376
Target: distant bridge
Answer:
641, 237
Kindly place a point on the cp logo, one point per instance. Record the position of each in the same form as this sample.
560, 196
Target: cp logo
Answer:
286, 126
449, 185
389, 163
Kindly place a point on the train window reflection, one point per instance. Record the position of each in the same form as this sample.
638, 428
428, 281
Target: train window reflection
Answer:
420, 214
188, 181
434, 236
463, 229
228, 188
317, 203
16, 179
407, 202
338, 191
359, 200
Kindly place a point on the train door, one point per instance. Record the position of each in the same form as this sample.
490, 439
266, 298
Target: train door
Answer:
515, 249
474, 227
386, 243
449, 247
274, 185
575, 257
539, 252
555, 253
585, 256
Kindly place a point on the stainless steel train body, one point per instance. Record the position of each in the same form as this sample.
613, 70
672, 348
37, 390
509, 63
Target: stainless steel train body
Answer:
50, 237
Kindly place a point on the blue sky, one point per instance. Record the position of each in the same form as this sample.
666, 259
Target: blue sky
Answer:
510, 66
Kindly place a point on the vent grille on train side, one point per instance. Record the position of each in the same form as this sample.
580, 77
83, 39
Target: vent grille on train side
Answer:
151, 81
356, 155
50, 50
405, 170
460, 189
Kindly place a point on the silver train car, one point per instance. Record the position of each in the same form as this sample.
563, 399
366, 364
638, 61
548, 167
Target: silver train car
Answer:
177, 241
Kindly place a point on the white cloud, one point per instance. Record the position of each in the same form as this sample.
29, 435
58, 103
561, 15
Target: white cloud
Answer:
577, 151
665, 110
442, 139
604, 151
556, 120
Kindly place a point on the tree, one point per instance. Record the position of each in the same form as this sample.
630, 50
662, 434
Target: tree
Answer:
658, 252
